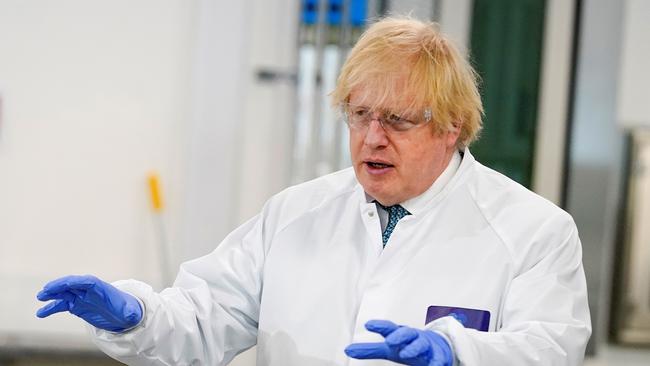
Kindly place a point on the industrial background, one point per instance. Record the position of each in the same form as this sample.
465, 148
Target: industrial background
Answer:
220, 104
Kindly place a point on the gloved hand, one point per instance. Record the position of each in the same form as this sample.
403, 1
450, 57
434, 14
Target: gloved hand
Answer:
405, 345
95, 301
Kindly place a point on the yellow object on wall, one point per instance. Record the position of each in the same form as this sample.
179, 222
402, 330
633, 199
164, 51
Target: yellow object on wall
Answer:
154, 190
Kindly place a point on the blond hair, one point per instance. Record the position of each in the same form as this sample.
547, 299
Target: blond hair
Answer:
412, 64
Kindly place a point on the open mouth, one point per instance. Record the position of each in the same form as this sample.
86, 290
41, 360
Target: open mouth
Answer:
377, 165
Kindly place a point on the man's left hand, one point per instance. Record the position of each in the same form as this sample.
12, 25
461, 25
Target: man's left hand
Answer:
405, 345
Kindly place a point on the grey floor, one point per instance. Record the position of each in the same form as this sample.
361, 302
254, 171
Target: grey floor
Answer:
620, 356
608, 356
43, 360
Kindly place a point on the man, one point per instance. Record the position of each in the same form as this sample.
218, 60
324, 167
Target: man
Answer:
417, 254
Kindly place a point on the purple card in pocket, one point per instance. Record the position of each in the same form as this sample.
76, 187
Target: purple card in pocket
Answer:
469, 318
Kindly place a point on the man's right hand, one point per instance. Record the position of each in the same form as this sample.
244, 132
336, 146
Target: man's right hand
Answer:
95, 301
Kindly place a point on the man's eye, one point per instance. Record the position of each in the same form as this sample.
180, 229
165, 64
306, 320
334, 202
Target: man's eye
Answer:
395, 119
361, 112
399, 123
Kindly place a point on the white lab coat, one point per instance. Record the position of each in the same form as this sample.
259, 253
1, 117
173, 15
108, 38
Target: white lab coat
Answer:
301, 278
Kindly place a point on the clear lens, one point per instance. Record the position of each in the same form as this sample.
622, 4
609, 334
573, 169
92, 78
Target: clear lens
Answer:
359, 117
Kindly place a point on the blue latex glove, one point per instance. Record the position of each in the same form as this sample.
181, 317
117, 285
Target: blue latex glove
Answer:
405, 345
95, 301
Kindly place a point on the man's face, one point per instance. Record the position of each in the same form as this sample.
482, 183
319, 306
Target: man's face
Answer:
394, 167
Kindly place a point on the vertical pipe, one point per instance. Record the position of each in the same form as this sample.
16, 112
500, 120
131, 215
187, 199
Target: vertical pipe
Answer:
315, 153
344, 44
383, 7
436, 10
566, 164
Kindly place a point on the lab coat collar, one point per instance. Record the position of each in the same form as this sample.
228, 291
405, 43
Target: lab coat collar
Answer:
449, 178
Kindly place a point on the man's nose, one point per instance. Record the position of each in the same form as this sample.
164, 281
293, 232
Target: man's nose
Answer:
376, 135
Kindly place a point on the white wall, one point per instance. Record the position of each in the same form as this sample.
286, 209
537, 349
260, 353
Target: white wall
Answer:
97, 93
268, 116
93, 97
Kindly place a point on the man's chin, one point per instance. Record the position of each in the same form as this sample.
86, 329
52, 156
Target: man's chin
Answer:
385, 198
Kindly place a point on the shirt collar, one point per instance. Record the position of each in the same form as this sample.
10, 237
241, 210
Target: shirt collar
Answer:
416, 204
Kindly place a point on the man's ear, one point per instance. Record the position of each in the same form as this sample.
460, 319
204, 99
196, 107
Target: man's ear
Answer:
453, 133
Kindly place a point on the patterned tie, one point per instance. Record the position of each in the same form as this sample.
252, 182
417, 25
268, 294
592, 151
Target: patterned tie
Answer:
395, 213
